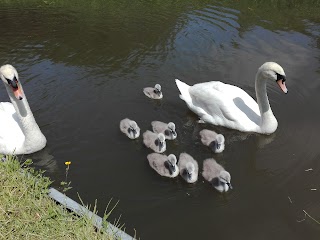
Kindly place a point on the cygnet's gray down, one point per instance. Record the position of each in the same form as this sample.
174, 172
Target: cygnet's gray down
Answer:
213, 140
188, 168
155, 141
164, 165
214, 173
153, 92
168, 129
130, 128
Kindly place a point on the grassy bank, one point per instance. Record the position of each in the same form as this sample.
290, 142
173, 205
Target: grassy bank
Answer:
26, 211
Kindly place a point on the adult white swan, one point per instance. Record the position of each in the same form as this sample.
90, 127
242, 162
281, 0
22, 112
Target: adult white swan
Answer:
230, 106
19, 132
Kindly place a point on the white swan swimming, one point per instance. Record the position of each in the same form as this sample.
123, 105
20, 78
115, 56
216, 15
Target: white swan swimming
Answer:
230, 106
19, 132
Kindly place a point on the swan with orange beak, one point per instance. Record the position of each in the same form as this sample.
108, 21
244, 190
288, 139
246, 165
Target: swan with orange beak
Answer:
281, 82
19, 132
226, 105
15, 87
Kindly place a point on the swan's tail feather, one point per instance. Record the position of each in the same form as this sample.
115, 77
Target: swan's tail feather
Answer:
184, 91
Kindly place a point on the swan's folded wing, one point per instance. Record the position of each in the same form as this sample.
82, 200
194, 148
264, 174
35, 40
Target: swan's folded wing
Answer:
10, 131
225, 103
212, 101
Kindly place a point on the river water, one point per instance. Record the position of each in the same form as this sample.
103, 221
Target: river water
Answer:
83, 69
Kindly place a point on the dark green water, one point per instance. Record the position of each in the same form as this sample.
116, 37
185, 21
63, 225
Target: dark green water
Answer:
83, 67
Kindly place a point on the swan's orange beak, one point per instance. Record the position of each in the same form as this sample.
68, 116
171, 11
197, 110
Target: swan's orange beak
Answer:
282, 85
17, 93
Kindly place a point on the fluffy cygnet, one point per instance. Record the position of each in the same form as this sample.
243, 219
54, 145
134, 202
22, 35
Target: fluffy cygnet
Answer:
130, 128
155, 141
165, 166
213, 140
188, 168
216, 175
168, 129
153, 92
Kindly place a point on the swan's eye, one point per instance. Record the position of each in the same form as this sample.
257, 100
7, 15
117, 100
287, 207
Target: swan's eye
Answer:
12, 83
280, 77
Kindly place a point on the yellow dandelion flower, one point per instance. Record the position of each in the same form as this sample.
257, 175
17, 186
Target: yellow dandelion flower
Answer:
67, 163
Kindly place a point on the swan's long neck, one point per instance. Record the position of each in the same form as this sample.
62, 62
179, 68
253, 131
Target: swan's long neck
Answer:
28, 125
268, 122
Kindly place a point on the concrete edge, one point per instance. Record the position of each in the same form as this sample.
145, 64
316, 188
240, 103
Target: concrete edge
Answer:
83, 211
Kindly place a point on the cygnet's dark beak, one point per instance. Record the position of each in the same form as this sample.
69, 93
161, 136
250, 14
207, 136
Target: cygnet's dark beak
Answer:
218, 145
156, 91
188, 174
160, 145
229, 184
134, 132
172, 169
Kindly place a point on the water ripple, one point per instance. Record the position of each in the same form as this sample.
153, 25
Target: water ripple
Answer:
214, 16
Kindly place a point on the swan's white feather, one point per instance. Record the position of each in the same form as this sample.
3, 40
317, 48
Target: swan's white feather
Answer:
11, 134
19, 132
222, 104
230, 106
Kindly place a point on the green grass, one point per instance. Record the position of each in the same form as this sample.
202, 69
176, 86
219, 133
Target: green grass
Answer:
26, 211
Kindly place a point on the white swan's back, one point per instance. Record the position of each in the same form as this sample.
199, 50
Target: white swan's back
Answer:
219, 104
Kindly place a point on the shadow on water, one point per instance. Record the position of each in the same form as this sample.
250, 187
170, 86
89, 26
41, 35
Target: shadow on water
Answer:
83, 66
